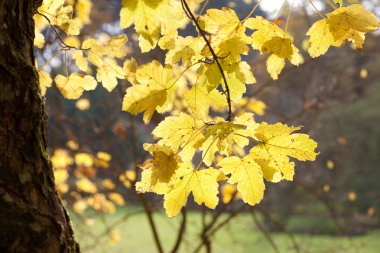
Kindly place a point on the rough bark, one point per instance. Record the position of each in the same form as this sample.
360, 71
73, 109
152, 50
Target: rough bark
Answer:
32, 218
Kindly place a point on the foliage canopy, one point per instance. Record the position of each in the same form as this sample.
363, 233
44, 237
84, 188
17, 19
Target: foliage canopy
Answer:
203, 78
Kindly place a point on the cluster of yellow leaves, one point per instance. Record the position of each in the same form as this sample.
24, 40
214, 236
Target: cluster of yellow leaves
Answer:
101, 196
344, 24
59, 13
171, 173
152, 18
198, 70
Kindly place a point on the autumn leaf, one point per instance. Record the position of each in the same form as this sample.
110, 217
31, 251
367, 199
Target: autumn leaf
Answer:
199, 100
228, 38
182, 131
202, 184
72, 87
349, 23
222, 135
152, 93
269, 38
158, 173
247, 174
276, 144
44, 80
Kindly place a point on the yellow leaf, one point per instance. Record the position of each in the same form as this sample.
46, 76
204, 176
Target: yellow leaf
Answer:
39, 39
44, 80
181, 131
228, 38
84, 159
154, 91
320, 38
83, 104
116, 198
72, 87
363, 73
352, 196
71, 144
114, 237
72, 41
277, 144
344, 24
275, 65
269, 38
108, 184
130, 68
83, 10
71, 27
199, 100
188, 50
159, 173
330, 164
144, 14
80, 205
202, 184
61, 159
108, 72
228, 192
250, 104
282, 47
104, 156
237, 75
247, 174
222, 135
86, 185
80, 61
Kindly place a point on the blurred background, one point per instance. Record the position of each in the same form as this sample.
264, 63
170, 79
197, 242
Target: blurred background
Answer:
333, 204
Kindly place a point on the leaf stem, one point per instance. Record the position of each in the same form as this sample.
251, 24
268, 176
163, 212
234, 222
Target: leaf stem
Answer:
316, 9
252, 11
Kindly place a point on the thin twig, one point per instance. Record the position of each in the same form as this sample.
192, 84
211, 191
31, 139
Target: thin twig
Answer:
188, 12
264, 232
66, 47
181, 232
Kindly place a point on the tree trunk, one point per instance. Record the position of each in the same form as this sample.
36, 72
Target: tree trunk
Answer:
32, 218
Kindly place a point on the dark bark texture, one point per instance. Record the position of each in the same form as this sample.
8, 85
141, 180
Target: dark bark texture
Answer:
32, 218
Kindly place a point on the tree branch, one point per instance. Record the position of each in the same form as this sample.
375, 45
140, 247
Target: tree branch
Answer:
188, 12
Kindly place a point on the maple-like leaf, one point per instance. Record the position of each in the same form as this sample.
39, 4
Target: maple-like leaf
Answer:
248, 176
202, 184
188, 50
153, 92
343, 24
159, 173
199, 99
238, 75
182, 131
222, 135
228, 38
276, 144
152, 18
44, 80
269, 38
108, 72
73, 86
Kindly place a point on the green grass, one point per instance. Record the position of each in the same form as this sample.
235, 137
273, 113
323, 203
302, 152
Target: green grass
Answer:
240, 235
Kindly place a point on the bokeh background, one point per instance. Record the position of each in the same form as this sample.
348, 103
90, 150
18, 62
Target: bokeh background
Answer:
333, 204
